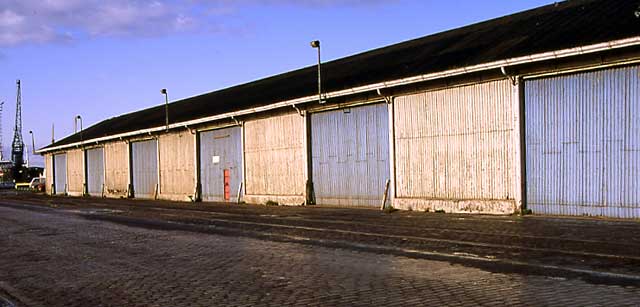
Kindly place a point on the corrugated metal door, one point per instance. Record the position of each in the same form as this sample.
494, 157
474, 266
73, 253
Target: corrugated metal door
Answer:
456, 143
144, 156
583, 143
220, 150
350, 154
95, 171
60, 173
117, 171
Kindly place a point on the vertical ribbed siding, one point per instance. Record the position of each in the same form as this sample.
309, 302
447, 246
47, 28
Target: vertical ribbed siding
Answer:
48, 173
144, 156
219, 150
95, 171
60, 173
116, 162
456, 143
75, 172
350, 154
583, 148
274, 153
177, 165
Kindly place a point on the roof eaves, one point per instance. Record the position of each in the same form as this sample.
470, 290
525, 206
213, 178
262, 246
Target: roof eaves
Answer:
622, 43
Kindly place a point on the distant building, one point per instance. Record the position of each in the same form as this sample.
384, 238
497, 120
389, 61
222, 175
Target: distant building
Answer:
537, 110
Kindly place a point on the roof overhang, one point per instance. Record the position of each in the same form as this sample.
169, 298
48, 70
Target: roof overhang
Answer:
539, 57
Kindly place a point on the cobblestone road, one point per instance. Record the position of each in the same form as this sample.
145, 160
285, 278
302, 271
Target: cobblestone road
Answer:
60, 259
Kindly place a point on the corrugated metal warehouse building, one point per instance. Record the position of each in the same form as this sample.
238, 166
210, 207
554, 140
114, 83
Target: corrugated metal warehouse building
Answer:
536, 110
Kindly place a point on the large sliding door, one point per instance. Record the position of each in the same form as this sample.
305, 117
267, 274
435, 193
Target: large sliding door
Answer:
583, 143
144, 170
350, 153
95, 171
221, 164
60, 173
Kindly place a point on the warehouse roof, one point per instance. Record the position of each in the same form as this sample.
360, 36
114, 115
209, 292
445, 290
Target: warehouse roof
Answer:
553, 27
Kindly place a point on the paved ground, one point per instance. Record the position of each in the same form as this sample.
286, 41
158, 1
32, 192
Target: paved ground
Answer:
91, 252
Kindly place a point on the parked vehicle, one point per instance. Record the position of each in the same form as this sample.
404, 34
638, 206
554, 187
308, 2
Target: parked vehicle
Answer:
22, 186
37, 184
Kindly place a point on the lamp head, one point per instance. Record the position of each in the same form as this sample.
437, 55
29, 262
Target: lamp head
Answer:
163, 91
315, 44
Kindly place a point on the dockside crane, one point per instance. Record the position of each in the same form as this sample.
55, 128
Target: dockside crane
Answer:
1, 148
17, 147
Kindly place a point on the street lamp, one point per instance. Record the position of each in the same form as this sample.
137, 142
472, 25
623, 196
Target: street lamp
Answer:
316, 44
33, 143
166, 107
79, 118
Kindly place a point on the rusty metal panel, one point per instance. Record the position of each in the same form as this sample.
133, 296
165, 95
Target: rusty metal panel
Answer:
456, 143
220, 150
48, 173
116, 167
144, 168
177, 165
60, 173
274, 153
75, 172
95, 171
350, 154
583, 143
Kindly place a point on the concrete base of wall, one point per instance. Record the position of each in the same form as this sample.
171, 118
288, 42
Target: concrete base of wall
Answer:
346, 202
116, 194
75, 194
176, 197
457, 206
233, 200
296, 200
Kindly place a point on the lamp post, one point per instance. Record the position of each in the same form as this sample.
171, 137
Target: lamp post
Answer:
33, 143
166, 107
79, 118
25, 156
316, 44
33, 148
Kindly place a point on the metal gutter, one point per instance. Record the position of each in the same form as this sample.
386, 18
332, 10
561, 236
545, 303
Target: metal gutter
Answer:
561, 72
563, 53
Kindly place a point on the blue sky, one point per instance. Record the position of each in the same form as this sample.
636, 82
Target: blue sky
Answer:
101, 59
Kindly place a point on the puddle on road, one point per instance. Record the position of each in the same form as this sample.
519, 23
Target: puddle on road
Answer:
268, 215
93, 211
6, 303
282, 216
466, 255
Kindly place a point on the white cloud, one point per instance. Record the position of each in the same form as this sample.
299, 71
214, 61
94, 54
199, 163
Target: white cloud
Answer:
16, 28
44, 21
38, 21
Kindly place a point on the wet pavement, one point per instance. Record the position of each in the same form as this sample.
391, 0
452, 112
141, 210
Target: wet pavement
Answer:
95, 252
